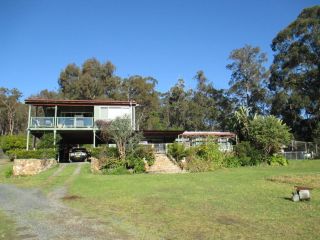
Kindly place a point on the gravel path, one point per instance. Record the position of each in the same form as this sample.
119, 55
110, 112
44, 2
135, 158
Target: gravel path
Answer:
45, 217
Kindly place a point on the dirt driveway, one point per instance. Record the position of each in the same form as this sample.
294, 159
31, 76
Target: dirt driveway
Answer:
45, 217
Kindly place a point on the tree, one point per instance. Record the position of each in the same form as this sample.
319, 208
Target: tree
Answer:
9, 102
120, 131
248, 77
268, 134
47, 94
176, 106
295, 73
94, 80
241, 125
142, 90
208, 107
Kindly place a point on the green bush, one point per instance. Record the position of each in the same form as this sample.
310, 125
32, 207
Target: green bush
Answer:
210, 152
177, 151
8, 173
13, 142
144, 152
232, 161
103, 152
196, 164
36, 154
278, 160
248, 155
268, 134
135, 163
110, 162
120, 170
47, 139
205, 157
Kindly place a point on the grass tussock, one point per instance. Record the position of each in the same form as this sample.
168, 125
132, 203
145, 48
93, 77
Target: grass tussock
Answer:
312, 180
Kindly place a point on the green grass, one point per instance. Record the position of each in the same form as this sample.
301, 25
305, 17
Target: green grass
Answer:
7, 228
238, 203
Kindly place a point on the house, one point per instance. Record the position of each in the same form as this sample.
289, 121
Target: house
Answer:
74, 120
225, 140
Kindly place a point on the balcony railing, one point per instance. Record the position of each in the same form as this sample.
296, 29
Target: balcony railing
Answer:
61, 122
42, 122
74, 122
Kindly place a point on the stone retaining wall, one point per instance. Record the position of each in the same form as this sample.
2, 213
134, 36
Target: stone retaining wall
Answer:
95, 165
23, 167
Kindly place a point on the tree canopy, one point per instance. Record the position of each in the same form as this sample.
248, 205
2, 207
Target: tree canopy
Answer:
295, 73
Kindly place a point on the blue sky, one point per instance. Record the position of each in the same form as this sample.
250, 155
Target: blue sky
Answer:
164, 39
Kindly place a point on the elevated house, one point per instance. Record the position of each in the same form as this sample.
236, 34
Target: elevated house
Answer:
75, 122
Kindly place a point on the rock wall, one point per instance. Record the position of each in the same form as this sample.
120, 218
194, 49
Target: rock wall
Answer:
95, 165
23, 167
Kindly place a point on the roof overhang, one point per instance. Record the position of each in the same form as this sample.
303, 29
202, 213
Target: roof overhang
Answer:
63, 102
207, 134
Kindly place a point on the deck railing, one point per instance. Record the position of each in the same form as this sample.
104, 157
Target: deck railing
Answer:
74, 122
42, 122
61, 122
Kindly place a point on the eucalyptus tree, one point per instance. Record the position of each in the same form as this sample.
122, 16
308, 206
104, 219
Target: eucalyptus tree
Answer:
91, 81
248, 78
9, 106
295, 73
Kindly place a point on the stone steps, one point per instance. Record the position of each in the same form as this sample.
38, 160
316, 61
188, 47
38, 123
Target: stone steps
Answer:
163, 164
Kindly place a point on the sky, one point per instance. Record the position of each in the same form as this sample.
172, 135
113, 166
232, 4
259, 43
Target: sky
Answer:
165, 39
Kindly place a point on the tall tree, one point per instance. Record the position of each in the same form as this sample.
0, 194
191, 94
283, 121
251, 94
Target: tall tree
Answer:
295, 73
248, 78
142, 90
94, 80
9, 103
206, 106
176, 106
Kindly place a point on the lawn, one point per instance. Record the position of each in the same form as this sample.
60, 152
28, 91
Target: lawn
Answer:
242, 203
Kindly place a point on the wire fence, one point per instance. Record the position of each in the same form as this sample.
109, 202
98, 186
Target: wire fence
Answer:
301, 150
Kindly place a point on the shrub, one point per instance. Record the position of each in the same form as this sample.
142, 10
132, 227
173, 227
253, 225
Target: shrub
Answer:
206, 157
47, 139
248, 155
144, 152
120, 170
196, 164
36, 154
135, 163
13, 142
278, 160
103, 152
268, 134
177, 151
232, 161
110, 162
8, 173
210, 152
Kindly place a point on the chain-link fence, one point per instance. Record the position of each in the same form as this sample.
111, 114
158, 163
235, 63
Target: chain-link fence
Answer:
301, 150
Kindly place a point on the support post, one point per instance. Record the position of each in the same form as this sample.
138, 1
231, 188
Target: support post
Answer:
29, 116
28, 136
34, 137
55, 116
28, 130
94, 138
54, 138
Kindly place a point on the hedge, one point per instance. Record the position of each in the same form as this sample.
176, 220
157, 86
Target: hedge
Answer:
36, 154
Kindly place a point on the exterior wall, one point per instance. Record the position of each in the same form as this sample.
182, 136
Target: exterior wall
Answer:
109, 113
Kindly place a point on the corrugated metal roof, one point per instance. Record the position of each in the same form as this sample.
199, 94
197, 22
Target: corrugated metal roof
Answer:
200, 133
63, 102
